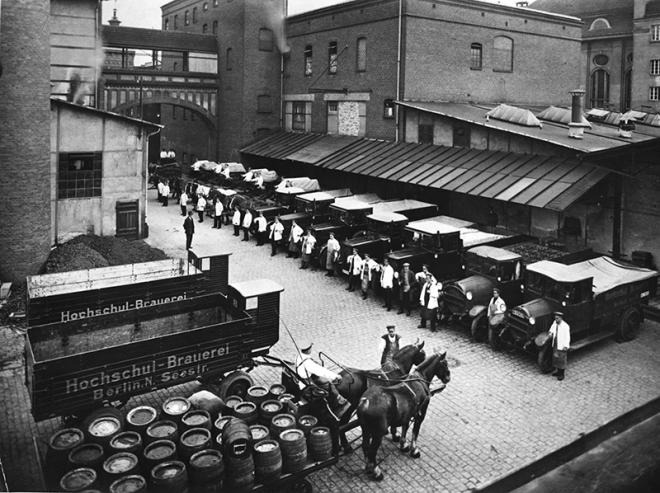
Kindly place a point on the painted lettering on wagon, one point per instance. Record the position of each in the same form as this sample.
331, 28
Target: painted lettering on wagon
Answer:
137, 377
68, 316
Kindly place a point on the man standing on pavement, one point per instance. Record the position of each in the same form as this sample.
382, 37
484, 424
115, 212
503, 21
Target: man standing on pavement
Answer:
366, 271
295, 237
261, 225
236, 221
189, 228
166, 194
405, 282
309, 241
496, 309
276, 231
201, 207
389, 344
387, 283
217, 213
159, 187
560, 332
247, 224
183, 202
354, 267
428, 299
332, 254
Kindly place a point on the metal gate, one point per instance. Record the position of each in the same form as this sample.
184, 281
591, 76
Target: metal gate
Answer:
127, 219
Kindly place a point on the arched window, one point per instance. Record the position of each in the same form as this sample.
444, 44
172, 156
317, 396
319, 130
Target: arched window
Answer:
502, 54
205, 28
195, 15
229, 61
205, 6
176, 22
166, 24
215, 27
361, 55
332, 57
600, 89
186, 18
600, 23
265, 39
308, 60
476, 56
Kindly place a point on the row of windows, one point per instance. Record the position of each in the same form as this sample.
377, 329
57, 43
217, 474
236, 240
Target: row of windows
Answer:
186, 17
502, 55
333, 57
300, 111
655, 32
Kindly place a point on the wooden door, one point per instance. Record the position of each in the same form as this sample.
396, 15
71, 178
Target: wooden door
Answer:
127, 219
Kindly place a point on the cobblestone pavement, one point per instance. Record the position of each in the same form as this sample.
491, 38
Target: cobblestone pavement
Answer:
497, 413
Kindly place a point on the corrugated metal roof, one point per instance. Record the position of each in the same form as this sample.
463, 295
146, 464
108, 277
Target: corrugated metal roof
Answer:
538, 181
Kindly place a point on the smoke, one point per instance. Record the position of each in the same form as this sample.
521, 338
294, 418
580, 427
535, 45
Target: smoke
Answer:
80, 85
275, 20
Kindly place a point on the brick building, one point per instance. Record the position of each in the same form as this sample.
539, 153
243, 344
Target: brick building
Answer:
620, 51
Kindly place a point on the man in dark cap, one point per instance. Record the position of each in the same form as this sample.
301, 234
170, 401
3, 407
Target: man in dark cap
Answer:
405, 281
389, 344
560, 332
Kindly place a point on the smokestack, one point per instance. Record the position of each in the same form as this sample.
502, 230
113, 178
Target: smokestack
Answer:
576, 127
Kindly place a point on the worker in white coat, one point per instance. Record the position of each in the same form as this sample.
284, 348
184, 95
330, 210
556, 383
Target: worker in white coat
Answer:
247, 224
295, 239
428, 299
387, 283
236, 221
560, 332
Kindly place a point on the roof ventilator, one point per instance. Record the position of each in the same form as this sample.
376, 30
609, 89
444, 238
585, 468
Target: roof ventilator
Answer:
576, 125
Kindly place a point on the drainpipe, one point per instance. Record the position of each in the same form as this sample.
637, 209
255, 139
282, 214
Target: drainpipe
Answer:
398, 74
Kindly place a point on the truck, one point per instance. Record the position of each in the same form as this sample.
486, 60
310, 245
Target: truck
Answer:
99, 336
599, 298
289, 188
312, 208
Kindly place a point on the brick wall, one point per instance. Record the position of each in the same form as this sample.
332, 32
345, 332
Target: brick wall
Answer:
24, 137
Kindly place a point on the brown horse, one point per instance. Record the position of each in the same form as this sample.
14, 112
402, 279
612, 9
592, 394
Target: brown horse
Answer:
354, 382
397, 405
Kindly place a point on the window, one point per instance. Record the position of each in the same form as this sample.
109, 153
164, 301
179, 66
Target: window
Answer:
655, 66
654, 93
265, 39
308, 61
205, 6
215, 27
229, 60
173, 112
502, 54
600, 23
79, 175
361, 55
298, 121
601, 59
175, 66
215, 3
185, 114
627, 90
425, 133
205, 28
176, 23
166, 25
476, 56
461, 134
195, 15
332, 57
655, 32
264, 104
600, 89
388, 109
186, 18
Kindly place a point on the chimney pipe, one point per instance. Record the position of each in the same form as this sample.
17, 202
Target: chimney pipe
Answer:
576, 127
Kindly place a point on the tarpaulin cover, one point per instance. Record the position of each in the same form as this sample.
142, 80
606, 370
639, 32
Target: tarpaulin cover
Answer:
304, 182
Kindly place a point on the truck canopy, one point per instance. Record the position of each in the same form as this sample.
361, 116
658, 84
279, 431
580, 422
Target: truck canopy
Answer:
606, 272
497, 254
400, 206
350, 204
472, 237
369, 198
305, 183
388, 217
325, 195
430, 227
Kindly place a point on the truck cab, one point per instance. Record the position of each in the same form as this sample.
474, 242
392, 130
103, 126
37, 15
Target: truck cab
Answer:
289, 188
488, 268
599, 297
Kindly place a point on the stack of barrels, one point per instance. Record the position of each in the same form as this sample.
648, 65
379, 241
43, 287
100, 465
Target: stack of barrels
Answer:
176, 448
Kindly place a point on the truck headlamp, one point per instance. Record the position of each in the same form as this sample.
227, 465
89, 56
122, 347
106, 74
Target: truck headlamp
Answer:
468, 295
563, 303
522, 288
499, 279
532, 320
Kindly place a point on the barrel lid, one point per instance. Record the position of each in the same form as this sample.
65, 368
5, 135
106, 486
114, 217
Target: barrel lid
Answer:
257, 391
277, 389
245, 407
86, 452
167, 470
233, 401
78, 479
286, 396
291, 435
222, 421
125, 439
120, 462
160, 449
162, 428
271, 406
128, 484
320, 430
266, 446
206, 458
195, 436
283, 420
258, 432
176, 405
196, 417
308, 420
104, 426
66, 438
141, 415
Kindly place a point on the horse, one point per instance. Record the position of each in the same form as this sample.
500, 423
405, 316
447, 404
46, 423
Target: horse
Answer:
354, 382
397, 405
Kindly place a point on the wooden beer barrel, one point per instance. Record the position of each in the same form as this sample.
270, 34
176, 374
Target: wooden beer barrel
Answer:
257, 394
207, 470
89, 455
259, 432
306, 423
79, 479
196, 419
175, 407
268, 410
239, 472
139, 418
220, 423
102, 429
294, 450
267, 461
232, 402
57, 456
276, 390
126, 441
236, 439
247, 411
170, 477
280, 423
159, 451
129, 484
118, 465
320, 443
194, 440
162, 430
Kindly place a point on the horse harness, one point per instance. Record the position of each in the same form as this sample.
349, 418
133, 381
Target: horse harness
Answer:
425, 397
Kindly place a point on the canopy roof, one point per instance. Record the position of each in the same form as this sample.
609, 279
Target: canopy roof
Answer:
498, 254
388, 217
325, 195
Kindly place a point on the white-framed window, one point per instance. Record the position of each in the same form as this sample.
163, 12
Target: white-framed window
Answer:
308, 60
205, 6
476, 56
186, 18
655, 66
655, 32
654, 93
361, 55
600, 23
332, 57
298, 115
502, 54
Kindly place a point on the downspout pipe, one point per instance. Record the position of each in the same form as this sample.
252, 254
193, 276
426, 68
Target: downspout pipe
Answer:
398, 73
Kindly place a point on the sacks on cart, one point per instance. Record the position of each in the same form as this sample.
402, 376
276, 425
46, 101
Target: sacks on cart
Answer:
304, 182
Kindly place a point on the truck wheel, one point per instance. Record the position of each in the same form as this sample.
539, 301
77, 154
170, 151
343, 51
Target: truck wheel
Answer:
478, 328
236, 383
629, 324
544, 359
494, 339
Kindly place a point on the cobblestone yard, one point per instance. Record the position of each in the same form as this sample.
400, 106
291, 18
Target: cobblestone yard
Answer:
497, 413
